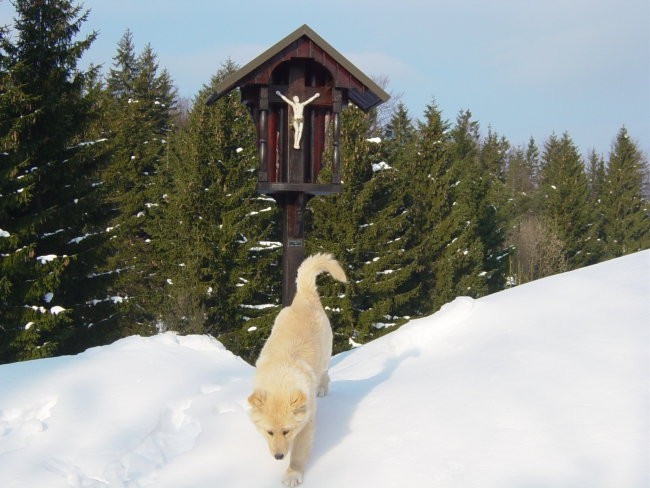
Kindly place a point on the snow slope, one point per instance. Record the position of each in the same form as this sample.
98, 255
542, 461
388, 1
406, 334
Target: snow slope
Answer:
543, 385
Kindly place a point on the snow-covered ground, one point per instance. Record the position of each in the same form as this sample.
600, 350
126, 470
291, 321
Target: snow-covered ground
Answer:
542, 385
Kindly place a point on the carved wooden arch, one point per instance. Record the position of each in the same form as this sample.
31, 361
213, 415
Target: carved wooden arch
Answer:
300, 64
281, 167
302, 78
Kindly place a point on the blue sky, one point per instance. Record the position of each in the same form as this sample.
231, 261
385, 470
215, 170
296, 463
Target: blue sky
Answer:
524, 67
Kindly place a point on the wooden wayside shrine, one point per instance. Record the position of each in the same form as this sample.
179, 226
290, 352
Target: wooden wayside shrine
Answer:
295, 92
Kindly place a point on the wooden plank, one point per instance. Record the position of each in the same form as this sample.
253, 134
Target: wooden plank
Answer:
308, 188
262, 133
293, 240
272, 146
318, 143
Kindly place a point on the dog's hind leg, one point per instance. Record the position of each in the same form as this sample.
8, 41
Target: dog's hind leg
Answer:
299, 455
323, 384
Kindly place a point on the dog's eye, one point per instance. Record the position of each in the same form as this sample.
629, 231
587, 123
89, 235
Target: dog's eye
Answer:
285, 432
269, 432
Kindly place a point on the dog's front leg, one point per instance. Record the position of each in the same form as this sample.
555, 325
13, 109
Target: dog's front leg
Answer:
324, 384
299, 455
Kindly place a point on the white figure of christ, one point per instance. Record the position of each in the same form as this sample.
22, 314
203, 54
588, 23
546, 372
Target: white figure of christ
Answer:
298, 115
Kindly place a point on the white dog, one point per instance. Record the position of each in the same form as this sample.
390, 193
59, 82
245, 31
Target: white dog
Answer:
292, 370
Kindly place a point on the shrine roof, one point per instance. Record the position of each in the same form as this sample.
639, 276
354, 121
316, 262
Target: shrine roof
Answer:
304, 43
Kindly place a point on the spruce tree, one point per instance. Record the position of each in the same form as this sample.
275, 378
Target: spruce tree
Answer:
494, 210
390, 279
47, 185
429, 184
533, 161
625, 205
564, 202
398, 137
142, 105
362, 226
520, 180
121, 77
219, 265
596, 177
527, 235
519, 189
463, 271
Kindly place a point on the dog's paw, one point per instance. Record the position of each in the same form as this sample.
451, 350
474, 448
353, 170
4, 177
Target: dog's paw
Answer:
323, 385
292, 478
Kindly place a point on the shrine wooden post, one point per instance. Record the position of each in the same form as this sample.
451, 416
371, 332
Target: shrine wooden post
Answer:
295, 92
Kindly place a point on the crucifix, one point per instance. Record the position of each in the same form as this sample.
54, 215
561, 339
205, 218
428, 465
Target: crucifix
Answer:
297, 107
304, 67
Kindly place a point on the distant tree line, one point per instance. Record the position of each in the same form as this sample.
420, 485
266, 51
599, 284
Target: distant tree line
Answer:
125, 211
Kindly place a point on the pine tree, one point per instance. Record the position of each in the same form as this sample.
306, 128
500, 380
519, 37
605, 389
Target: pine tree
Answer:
362, 226
463, 268
494, 210
121, 77
47, 185
139, 125
564, 202
533, 161
430, 182
220, 258
519, 188
519, 180
596, 177
399, 135
531, 242
625, 206
389, 280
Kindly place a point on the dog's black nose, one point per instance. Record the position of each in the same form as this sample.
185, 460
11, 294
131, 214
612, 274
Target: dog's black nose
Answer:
279, 456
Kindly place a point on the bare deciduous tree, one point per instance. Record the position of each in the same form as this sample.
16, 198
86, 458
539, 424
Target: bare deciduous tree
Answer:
539, 250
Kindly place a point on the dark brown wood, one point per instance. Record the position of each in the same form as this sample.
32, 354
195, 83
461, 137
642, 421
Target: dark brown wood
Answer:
273, 159
324, 101
263, 133
318, 133
283, 135
296, 167
293, 238
308, 188
302, 64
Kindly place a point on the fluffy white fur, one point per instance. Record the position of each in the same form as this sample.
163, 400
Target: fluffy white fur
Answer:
292, 369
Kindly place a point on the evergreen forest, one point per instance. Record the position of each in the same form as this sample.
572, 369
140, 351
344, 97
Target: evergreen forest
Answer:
126, 210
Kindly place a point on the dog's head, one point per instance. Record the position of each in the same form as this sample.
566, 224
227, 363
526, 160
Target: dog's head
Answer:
279, 418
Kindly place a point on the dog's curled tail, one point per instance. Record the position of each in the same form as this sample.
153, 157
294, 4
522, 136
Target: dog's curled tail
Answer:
312, 267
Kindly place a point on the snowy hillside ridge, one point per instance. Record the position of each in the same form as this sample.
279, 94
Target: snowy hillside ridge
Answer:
545, 384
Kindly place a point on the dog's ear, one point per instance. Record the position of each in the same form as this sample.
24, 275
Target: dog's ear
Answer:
298, 402
257, 399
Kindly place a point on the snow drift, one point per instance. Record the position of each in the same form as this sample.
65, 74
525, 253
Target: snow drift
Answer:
542, 385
